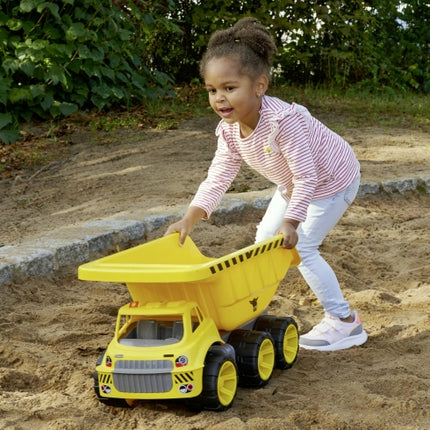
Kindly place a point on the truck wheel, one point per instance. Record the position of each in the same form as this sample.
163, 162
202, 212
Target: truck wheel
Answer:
219, 380
286, 336
255, 356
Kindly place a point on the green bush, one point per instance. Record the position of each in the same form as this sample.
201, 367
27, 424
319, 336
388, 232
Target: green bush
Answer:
58, 57
375, 45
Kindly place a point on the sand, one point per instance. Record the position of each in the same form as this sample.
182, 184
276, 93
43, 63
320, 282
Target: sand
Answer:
54, 328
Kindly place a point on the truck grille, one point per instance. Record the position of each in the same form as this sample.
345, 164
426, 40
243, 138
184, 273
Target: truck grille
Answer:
143, 383
143, 376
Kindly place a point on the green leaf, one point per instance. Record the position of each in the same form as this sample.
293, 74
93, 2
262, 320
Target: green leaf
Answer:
122, 77
109, 73
75, 31
3, 18
9, 136
27, 67
29, 5
4, 35
56, 74
47, 102
39, 73
5, 119
124, 35
37, 90
14, 24
53, 8
115, 60
97, 54
59, 50
103, 90
81, 14
98, 101
17, 95
84, 52
80, 96
52, 32
82, 89
117, 92
149, 20
54, 110
26, 114
138, 80
99, 21
67, 108
92, 69
75, 66
5, 86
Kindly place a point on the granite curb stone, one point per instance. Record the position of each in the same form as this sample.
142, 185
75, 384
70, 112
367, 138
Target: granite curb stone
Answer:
75, 245
400, 186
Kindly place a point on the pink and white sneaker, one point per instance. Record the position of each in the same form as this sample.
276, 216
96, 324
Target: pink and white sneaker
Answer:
332, 334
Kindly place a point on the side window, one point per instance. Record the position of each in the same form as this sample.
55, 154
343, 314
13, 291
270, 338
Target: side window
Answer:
124, 324
196, 318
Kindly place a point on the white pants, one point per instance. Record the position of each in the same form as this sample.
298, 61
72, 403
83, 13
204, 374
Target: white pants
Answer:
322, 216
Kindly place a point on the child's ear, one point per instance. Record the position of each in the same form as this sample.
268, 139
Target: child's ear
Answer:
261, 85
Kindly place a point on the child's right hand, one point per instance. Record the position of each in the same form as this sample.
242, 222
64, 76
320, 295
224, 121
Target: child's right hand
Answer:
186, 224
180, 227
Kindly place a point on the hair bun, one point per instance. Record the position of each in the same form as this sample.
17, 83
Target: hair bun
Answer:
248, 21
249, 40
252, 33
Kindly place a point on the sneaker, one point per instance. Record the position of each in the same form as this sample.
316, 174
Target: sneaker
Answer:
332, 334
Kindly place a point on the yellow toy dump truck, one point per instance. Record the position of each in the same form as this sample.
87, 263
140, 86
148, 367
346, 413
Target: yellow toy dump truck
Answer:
196, 327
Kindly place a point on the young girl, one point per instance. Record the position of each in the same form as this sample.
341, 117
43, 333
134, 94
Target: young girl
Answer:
315, 170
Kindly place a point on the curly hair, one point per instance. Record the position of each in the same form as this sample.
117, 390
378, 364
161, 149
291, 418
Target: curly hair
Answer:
248, 41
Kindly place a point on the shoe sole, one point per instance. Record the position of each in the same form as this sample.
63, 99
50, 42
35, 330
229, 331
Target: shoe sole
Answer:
345, 343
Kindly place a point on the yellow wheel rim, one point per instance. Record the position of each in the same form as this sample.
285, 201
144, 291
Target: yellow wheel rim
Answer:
290, 343
266, 359
227, 383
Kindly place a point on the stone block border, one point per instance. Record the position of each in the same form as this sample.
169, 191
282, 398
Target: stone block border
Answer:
72, 246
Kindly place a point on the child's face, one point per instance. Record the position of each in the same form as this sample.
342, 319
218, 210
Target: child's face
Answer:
233, 96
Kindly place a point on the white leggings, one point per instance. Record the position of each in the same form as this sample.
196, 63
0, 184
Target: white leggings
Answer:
322, 216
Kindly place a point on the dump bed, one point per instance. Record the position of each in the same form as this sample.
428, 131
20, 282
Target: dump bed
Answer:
231, 289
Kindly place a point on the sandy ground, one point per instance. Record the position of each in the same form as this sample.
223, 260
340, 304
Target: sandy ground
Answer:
53, 329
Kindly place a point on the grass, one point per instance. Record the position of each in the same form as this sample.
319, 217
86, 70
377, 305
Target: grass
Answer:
339, 109
346, 107
361, 109
164, 113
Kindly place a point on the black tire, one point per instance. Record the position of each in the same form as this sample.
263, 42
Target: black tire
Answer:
285, 334
107, 401
255, 356
220, 380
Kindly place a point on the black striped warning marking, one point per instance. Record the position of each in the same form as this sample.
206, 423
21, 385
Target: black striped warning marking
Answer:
228, 262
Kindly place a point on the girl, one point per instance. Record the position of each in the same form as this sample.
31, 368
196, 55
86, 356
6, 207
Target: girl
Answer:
316, 171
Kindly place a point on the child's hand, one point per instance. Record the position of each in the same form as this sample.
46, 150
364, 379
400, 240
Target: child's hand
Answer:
185, 225
181, 227
288, 230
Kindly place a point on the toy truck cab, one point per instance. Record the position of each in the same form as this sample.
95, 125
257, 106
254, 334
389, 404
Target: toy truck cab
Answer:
159, 350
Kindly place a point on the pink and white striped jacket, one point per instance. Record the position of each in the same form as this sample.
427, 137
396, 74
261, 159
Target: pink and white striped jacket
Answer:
290, 148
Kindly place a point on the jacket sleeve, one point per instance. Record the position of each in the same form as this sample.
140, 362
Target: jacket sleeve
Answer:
222, 171
296, 148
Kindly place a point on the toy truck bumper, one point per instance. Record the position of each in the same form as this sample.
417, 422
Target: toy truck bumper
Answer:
148, 379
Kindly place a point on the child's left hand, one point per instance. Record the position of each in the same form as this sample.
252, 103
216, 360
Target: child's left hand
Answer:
288, 230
